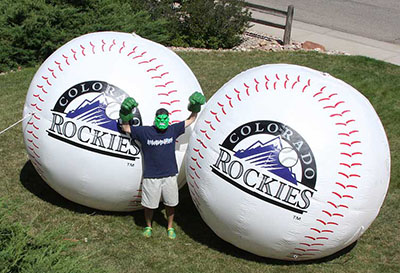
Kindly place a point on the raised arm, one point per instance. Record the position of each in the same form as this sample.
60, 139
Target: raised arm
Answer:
196, 100
125, 113
190, 119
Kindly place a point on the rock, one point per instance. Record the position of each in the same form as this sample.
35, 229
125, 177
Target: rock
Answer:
312, 46
252, 41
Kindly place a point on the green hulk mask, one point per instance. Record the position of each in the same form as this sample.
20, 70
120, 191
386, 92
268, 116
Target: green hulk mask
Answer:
161, 121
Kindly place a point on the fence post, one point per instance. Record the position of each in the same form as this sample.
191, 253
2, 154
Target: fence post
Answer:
288, 25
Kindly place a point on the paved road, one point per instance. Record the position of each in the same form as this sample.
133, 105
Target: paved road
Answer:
375, 19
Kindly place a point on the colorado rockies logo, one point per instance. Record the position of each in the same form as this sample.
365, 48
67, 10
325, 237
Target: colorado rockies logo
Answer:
270, 161
86, 116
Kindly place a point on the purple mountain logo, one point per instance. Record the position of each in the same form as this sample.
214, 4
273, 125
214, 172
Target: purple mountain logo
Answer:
266, 155
260, 159
94, 111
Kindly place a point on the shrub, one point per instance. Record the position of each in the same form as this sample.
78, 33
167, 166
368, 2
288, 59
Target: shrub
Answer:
45, 252
30, 30
202, 23
213, 24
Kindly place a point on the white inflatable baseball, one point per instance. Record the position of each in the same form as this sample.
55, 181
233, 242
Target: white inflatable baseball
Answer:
72, 137
288, 163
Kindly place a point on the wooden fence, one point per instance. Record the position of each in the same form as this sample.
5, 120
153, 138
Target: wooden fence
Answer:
288, 14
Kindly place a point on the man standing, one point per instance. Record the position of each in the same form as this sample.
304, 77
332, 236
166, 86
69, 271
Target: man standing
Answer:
159, 168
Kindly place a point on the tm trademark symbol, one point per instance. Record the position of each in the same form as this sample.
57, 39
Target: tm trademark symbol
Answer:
297, 218
129, 164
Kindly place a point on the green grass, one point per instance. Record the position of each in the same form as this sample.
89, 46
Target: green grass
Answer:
112, 241
22, 252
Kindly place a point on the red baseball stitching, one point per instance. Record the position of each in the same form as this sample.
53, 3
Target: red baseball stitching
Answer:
59, 65
257, 83
122, 47
149, 61
74, 54
38, 97
333, 209
297, 81
52, 72
133, 51
136, 203
66, 59
92, 45
160, 76
140, 55
230, 100
103, 45
155, 68
34, 128
112, 45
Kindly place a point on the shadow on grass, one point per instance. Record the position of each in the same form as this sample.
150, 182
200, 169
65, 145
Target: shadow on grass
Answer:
188, 218
158, 217
32, 181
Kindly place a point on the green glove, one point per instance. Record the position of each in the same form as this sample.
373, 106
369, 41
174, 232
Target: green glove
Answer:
125, 113
196, 100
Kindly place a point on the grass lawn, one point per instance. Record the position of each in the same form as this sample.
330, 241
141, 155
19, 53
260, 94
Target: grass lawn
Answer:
112, 242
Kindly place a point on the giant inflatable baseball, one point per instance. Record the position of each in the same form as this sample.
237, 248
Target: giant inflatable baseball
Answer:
72, 137
288, 163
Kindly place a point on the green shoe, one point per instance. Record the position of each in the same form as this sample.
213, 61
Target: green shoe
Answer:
147, 232
171, 233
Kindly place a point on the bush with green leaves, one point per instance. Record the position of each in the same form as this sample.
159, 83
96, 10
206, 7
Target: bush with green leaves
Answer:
30, 30
212, 24
45, 252
202, 23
